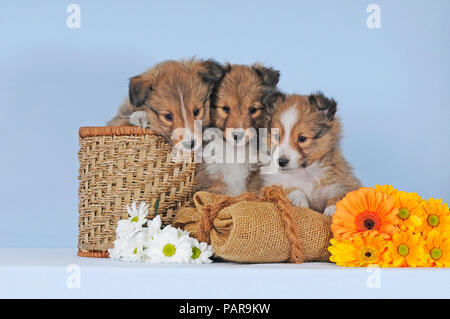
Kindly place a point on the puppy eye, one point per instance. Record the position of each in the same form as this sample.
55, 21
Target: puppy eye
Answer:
196, 112
302, 138
252, 110
226, 109
168, 117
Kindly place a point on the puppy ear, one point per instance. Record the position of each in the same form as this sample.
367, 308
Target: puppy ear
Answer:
268, 76
211, 71
270, 98
139, 89
324, 104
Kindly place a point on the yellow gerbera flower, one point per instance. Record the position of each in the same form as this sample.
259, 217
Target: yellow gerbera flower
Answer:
363, 250
387, 189
437, 248
365, 210
410, 211
437, 216
405, 250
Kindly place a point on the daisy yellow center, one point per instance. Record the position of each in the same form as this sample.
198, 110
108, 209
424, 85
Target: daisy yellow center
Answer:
436, 253
169, 250
134, 219
367, 221
403, 213
196, 252
368, 255
135, 251
433, 220
403, 250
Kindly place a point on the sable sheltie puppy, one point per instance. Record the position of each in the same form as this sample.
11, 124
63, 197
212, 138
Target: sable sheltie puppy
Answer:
169, 97
311, 166
239, 109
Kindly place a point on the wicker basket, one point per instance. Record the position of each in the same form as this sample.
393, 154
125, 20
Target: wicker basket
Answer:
120, 165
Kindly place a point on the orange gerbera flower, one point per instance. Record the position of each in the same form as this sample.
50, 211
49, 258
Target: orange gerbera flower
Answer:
387, 189
405, 250
364, 250
437, 216
410, 211
437, 248
365, 210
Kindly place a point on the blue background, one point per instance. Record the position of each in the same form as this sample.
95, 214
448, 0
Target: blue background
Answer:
392, 86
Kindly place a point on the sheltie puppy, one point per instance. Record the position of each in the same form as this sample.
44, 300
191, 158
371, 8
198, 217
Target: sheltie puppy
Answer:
239, 108
169, 97
311, 166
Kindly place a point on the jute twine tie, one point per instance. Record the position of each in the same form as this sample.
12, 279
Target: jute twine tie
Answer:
273, 194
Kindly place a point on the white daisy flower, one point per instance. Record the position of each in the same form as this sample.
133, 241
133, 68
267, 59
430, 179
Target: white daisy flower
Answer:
154, 225
182, 232
127, 228
137, 243
201, 252
168, 247
129, 250
144, 235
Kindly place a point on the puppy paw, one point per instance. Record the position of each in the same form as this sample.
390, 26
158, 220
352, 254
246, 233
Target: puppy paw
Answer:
329, 211
139, 118
298, 198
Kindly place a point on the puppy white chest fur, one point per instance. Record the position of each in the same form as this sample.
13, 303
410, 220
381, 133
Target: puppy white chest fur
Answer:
233, 175
229, 164
303, 179
307, 183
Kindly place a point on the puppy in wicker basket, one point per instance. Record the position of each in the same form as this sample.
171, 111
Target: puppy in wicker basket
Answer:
238, 110
311, 166
169, 97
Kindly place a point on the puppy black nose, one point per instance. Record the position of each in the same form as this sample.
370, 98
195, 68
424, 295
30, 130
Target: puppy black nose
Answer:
237, 136
189, 145
283, 162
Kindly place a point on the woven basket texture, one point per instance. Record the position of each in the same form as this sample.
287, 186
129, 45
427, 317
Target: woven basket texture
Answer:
121, 165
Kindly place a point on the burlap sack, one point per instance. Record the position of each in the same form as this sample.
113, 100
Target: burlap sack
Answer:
256, 229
